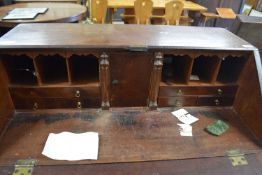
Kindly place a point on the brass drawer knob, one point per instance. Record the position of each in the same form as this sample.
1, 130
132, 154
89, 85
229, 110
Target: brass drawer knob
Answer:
220, 91
217, 102
79, 105
35, 106
179, 92
178, 103
77, 94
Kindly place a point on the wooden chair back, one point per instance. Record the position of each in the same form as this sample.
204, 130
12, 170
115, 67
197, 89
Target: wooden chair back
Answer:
143, 11
97, 10
173, 12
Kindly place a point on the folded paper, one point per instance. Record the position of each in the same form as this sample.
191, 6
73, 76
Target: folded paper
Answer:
183, 116
179, 113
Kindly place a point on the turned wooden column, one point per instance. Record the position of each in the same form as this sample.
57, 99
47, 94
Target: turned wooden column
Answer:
104, 77
155, 80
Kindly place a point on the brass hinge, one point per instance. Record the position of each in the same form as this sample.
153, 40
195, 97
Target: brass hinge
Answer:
237, 158
24, 167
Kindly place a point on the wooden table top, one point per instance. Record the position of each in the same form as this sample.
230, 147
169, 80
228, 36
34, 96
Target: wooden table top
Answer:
188, 5
70, 1
104, 36
57, 12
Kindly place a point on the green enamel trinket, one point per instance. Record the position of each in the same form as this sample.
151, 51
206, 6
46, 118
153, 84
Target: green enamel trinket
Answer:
217, 128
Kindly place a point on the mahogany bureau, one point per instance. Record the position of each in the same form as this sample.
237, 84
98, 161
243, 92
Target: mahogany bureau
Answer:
47, 67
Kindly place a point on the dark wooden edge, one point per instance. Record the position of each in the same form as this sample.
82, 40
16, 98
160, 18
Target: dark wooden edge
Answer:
6, 104
199, 166
257, 58
69, 70
216, 70
189, 72
39, 80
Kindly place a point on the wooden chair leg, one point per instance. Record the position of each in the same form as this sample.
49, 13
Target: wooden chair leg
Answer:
111, 13
205, 20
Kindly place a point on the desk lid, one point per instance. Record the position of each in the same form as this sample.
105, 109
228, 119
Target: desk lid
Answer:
121, 36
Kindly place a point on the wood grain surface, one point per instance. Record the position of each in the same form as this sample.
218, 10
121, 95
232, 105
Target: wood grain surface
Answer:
126, 135
188, 5
248, 101
130, 78
6, 105
53, 1
104, 36
199, 166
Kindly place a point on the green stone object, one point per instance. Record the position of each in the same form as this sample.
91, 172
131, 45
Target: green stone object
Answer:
217, 128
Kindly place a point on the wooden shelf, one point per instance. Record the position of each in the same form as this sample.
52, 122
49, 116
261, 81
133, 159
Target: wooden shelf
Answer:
176, 69
215, 76
91, 84
196, 84
20, 70
230, 69
205, 68
214, 81
84, 69
52, 69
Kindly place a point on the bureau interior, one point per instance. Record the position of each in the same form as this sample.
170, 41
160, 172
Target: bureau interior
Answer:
50, 70
203, 69
54, 93
185, 80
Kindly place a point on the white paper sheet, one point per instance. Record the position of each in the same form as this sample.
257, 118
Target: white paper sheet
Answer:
28, 10
20, 16
184, 116
70, 146
187, 119
185, 130
179, 113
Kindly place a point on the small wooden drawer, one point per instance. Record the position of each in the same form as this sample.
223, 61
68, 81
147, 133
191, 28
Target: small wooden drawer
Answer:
56, 92
55, 103
177, 101
215, 101
168, 91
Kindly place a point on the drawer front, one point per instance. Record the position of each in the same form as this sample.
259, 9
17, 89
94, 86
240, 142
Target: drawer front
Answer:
206, 90
56, 92
215, 101
177, 101
55, 103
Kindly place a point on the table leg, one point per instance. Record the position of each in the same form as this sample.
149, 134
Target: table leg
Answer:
111, 13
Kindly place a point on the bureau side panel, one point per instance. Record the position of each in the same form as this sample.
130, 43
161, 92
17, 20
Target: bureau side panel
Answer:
248, 102
6, 105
